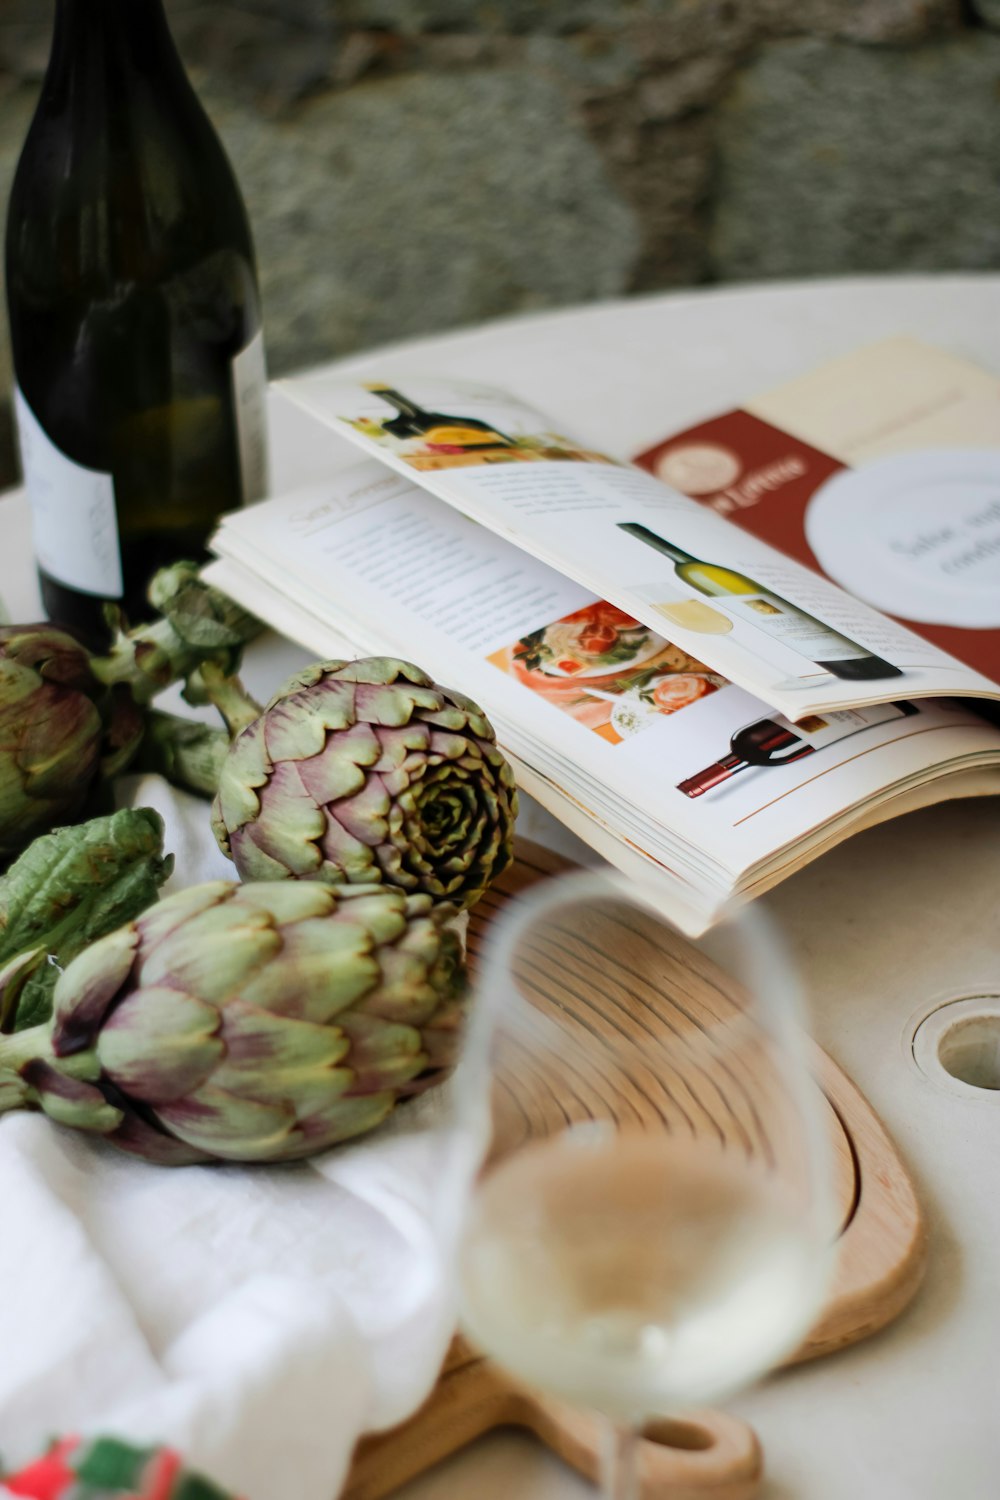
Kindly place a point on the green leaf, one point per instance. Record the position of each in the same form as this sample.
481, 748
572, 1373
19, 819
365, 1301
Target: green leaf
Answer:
73, 886
112, 1465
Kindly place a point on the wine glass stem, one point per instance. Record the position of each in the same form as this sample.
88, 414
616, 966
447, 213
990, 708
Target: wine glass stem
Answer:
620, 1477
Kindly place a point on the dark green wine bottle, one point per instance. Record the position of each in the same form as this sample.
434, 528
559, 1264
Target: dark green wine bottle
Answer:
134, 315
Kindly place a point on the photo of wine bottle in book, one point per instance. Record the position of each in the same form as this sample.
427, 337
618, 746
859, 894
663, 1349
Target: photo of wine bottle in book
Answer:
438, 429
776, 741
134, 316
429, 433
777, 617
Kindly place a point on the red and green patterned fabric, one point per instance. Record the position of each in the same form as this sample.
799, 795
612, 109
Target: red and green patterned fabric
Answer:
106, 1469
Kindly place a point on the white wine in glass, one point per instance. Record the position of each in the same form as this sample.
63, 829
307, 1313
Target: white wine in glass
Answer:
651, 1228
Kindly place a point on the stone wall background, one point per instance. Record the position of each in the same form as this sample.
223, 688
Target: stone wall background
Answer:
412, 165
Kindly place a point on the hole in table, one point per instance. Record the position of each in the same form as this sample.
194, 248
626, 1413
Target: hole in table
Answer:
957, 1044
970, 1051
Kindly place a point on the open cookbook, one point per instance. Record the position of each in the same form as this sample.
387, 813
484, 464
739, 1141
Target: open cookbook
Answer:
708, 687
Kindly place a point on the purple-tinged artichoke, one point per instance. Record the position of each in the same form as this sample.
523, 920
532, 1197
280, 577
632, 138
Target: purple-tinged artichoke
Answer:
368, 771
69, 719
246, 1023
59, 726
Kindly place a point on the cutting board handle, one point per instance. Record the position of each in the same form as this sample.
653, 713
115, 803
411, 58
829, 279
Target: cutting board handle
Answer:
707, 1456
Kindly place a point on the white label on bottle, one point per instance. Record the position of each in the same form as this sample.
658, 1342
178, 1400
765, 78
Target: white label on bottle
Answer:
826, 729
73, 513
791, 625
249, 375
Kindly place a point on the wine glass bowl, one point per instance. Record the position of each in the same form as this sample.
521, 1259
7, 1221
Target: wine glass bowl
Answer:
651, 1226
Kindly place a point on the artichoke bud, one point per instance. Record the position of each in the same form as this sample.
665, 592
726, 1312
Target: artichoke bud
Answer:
247, 1023
57, 722
368, 771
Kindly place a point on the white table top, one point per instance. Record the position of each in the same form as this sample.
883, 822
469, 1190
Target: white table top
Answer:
894, 919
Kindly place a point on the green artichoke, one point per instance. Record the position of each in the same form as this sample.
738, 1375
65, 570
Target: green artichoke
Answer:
368, 771
59, 726
246, 1023
68, 719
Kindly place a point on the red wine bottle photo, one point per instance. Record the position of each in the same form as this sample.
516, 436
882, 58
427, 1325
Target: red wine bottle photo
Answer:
778, 742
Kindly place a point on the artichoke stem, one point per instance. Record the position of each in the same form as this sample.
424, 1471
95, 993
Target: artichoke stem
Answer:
198, 623
18, 1048
210, 684
147, 660
187, 754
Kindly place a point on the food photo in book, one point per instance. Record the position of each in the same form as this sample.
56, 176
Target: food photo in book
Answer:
607, 670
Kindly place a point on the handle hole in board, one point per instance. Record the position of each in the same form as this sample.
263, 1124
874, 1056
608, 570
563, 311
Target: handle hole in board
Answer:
668, 1433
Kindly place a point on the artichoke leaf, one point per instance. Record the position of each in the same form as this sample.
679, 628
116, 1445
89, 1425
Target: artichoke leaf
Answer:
167, 916
290, 904
289, 836
84, 992
326, 778
160, 1044
220, 1122
69, 1101
70, 888
216, 952
297, 724
245, 769
59, 743
278, 1059
345, 1118
13, 977
140, 1138
314, 987
384, 1054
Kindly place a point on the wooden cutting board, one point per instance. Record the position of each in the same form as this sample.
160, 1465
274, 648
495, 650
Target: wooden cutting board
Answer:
708, 1454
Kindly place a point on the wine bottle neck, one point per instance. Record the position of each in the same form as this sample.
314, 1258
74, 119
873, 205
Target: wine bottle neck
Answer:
393, 398
718, 771
103, 35
652, 539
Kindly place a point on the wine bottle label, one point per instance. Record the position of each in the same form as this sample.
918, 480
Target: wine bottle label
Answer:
73, 513
249, 376
792, 626
826, 729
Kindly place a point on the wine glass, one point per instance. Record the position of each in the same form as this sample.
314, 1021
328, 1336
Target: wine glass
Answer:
651, 1223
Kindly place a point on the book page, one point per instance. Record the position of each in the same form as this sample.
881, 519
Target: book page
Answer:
692, 907
880, 470
761, 620
649, 736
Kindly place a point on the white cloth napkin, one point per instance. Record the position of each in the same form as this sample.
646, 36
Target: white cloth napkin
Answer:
258, 1318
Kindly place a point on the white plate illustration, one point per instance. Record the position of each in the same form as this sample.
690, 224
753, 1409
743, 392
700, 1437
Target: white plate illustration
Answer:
652, 647
915, 534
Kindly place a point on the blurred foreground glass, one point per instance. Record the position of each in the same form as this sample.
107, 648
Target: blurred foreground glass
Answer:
652, 1223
